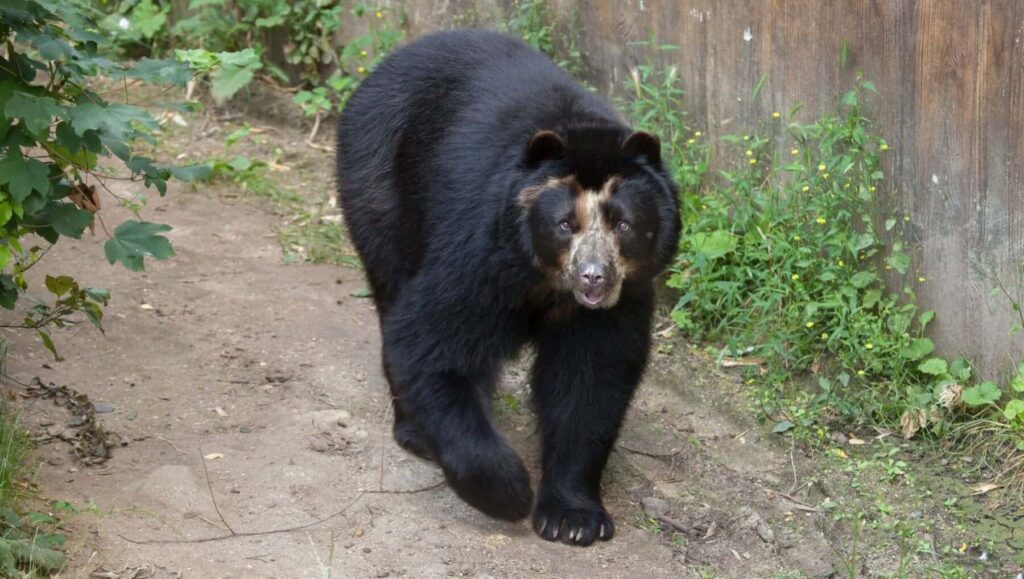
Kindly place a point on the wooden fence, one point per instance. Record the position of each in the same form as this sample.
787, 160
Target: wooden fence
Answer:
951, 80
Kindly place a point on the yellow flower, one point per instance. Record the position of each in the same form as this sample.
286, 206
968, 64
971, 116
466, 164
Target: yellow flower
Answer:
840, 453
906, 218
821, 221
841, 263
361, 70
753, 161
795, 276
379, 14
921, 279
795, 151
825, 175
750, 153
824, 336
776, 115
746, 137
796, 238
883, 147
809, 324
869, 346
703, 206
860, 372
822, 167
888, 267
690, 142
697, 134
871, 188
806, 188
363, 53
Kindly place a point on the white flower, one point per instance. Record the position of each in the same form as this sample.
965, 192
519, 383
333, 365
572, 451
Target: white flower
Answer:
123, 23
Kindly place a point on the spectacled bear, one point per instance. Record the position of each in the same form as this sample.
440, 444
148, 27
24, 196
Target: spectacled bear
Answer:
495, 203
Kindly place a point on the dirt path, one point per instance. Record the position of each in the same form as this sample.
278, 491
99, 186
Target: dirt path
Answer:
272, 372
274, 369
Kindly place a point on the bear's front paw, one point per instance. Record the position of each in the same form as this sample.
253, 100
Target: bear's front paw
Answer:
555, 519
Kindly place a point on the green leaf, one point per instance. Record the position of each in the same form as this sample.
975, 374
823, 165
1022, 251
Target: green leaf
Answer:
111, 120
861, 279
236, 70
899, 261
925, 317
162, 71
715, 244
35, 112
1017, 383
781, 427
23, 176
68, 220
1014, 408
60, 285
864, 241
960, 369
363, 292
133, 240
918, 349
933, 366
190, 173
8, 292
148, 19
982, 394
48, 342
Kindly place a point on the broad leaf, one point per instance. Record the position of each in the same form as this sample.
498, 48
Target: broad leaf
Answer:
715, 244
23, 176
982, 394
1014, 408
134, 240
933, 366
918, 349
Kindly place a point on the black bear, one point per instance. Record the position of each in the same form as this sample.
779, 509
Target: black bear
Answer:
496, 203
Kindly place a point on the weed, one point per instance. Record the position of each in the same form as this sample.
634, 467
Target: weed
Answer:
307, 235
532, 21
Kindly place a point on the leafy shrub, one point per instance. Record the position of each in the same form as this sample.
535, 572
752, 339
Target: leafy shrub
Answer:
782, 261
54, 132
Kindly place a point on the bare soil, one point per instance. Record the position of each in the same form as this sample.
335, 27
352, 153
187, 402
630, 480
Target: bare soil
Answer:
271, 372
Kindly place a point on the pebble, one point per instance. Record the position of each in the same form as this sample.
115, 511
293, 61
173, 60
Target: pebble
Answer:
654, 506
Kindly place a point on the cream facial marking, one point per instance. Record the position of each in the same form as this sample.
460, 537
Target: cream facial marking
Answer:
594, 268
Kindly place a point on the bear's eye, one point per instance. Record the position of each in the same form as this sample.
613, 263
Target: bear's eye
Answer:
564, 225
624, 226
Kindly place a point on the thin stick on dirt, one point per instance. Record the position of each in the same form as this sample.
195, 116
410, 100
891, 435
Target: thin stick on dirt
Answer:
254, 534
797, 502
408, 492
209, 487
648, 454
383, 433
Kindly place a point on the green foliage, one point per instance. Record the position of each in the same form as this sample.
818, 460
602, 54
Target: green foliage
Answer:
54, 130
532, 21
28, 543
782, 260
355, 60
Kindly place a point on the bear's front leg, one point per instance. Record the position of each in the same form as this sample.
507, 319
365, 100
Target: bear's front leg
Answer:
583, 380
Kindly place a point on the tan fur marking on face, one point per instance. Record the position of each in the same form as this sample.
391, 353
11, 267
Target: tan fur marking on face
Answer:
528, 196
595, 238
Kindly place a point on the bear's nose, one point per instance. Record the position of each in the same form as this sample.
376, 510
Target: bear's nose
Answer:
593, 274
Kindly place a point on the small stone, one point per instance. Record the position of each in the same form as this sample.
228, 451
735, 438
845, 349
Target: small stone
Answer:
103, 408
367, 549
654, 506
245, 429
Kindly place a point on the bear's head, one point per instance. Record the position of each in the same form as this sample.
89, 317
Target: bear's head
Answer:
599, 211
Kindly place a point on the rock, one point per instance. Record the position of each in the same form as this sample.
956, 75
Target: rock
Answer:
750, 521
654, 506
328, 420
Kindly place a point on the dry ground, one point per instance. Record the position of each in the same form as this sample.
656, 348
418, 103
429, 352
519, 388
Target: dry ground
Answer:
272, 372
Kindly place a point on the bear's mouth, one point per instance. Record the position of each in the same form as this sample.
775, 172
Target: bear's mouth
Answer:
593, 298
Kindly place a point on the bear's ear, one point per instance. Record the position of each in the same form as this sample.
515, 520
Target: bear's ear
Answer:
642, 143
544, 146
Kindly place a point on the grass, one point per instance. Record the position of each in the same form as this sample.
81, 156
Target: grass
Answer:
14, 446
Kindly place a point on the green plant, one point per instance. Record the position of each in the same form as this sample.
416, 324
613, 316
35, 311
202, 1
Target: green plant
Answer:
532, 21
55, 131
352, 63
30, 542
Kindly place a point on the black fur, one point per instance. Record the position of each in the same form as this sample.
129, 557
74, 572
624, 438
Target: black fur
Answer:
432, 157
